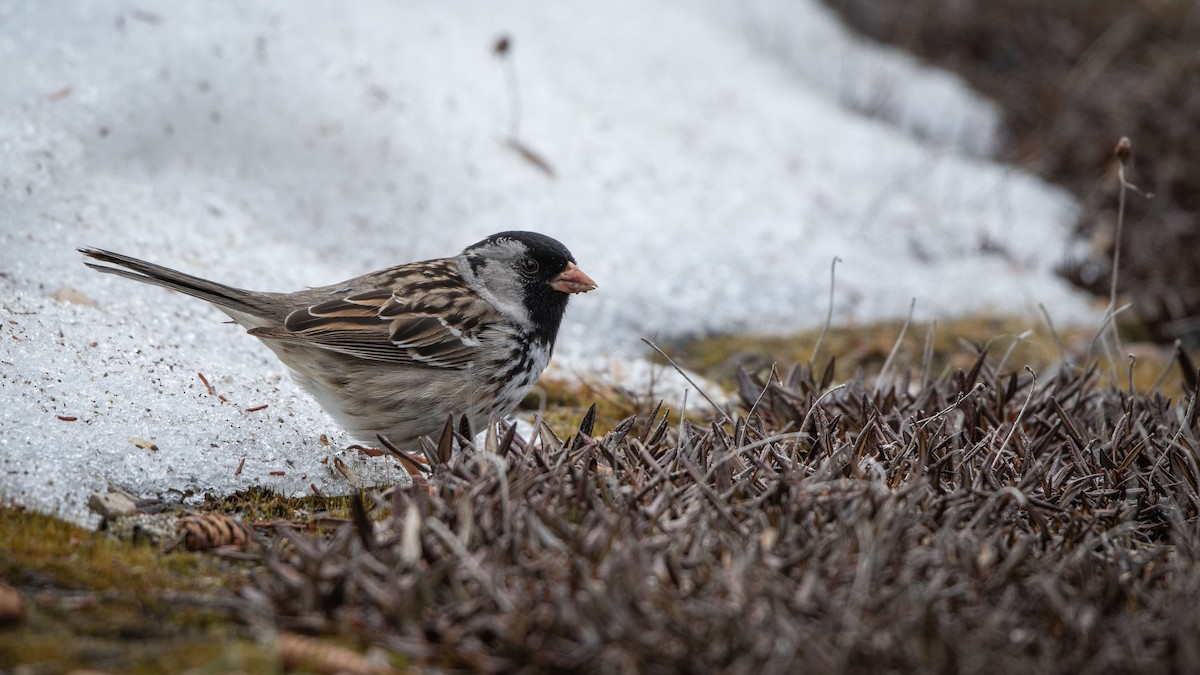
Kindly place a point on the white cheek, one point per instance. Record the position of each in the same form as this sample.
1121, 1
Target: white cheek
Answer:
503, 287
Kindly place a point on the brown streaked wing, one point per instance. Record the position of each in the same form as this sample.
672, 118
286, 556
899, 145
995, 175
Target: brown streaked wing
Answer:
361, 309
442, 329
428, 341
417, 331
437, 330
361, 342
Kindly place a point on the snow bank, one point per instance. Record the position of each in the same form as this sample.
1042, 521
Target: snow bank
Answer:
705, 172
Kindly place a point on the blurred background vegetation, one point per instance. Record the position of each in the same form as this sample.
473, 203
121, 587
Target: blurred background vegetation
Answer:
1073, 77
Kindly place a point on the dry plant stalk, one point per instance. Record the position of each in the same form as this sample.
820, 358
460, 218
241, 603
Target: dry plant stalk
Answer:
983, 521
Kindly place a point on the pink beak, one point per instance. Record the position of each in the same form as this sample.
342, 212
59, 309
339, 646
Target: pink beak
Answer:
572, 280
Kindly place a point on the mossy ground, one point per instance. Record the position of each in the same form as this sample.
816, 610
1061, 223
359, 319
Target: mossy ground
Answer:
93, 601
260, 504
948, 345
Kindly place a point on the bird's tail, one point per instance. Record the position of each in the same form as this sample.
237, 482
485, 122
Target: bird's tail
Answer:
234, 301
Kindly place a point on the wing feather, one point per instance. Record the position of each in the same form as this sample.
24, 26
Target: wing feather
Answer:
412, 320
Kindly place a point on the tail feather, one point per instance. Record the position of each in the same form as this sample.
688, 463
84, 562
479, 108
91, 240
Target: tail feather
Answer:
226, 297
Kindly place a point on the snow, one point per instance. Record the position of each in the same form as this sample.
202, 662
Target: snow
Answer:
709, 161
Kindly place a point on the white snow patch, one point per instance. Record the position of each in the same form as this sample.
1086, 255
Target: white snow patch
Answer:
706, 173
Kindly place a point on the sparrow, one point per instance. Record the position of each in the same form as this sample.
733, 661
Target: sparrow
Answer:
395, 352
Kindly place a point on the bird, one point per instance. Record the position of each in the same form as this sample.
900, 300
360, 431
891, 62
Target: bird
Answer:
397, 352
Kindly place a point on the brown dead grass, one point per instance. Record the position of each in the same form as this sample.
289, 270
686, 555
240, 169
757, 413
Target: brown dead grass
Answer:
983, 521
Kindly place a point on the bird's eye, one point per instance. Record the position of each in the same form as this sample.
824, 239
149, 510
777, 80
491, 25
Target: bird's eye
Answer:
529, 266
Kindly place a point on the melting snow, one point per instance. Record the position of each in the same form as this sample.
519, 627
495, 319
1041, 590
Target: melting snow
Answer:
709, 160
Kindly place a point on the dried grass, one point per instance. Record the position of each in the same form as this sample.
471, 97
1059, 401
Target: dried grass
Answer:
976, 522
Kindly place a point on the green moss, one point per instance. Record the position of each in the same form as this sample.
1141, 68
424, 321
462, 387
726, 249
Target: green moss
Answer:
563, 404
262, 504
43, 550
93, 601
1012, 343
